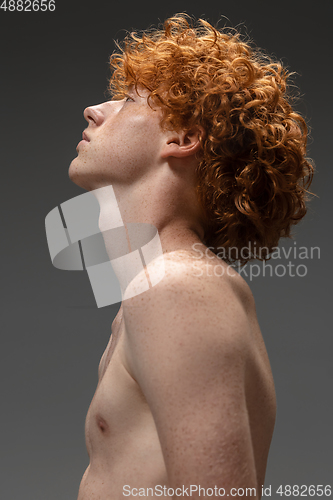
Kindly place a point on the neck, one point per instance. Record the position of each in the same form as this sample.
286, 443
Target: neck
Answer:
146, 216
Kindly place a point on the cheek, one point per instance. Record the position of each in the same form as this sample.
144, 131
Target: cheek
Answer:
132, 140
124, 150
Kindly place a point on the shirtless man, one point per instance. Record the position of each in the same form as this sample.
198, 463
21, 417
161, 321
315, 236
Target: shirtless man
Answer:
199, 140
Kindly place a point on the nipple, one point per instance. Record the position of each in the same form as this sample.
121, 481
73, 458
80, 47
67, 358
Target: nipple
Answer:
102, 425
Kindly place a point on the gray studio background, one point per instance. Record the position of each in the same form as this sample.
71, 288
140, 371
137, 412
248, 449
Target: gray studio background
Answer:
52, 66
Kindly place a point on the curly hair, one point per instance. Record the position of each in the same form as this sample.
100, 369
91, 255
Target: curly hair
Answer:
252, 172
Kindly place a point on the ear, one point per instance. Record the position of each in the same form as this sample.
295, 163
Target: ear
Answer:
182, 144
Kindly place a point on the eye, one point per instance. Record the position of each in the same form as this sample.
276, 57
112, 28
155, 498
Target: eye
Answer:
128, 98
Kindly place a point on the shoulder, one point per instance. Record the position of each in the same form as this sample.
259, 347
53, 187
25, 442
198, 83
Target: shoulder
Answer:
183, 274
205, 297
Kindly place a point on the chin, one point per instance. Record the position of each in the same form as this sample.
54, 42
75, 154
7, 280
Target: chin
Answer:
78, 177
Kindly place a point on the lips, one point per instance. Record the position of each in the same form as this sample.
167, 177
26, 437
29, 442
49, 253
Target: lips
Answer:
85, 137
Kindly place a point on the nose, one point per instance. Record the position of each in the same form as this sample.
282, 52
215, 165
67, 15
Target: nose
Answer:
94, 115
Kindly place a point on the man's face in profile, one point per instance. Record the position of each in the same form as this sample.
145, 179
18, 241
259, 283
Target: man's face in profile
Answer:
122, 142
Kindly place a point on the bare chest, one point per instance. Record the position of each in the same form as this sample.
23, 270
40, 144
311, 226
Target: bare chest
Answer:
118, 401
121, 437
117, 331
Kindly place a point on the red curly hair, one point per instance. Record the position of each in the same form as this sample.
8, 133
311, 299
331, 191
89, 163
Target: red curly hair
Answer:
252, 173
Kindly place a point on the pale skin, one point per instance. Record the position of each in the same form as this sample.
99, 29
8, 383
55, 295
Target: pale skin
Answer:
185, 393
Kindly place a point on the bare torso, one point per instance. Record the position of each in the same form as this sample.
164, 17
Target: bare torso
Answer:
121, 436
